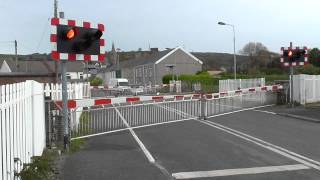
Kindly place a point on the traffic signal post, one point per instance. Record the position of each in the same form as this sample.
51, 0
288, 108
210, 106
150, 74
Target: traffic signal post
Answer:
65, 114
291, 86
291, 57
74, 41
290, 54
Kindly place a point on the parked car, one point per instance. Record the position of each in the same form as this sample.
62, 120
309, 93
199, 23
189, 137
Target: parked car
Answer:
136, 89
119, 84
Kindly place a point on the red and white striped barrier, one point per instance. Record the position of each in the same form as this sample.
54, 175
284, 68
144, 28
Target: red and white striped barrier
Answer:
76, 103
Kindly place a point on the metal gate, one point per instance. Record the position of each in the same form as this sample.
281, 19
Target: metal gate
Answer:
95, 121
107, 119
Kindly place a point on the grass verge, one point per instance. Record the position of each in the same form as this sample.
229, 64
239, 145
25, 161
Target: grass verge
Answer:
313, 105
76, 145
40, 168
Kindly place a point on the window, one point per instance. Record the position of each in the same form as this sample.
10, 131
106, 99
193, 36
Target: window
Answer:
150, 71
140, 72
68, 76
145, 72
80, 76
123, 84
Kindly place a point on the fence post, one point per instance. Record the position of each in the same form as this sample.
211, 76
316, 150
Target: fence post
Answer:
48, 121
203, 105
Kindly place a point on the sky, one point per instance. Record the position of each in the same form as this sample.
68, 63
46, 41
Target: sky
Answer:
192, 24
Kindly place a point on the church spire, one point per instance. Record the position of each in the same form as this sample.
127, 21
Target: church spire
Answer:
114, 55
113, 48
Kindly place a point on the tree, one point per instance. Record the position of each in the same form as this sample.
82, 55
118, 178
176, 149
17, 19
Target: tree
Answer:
253, 48
259, 55
314, 57
308, 69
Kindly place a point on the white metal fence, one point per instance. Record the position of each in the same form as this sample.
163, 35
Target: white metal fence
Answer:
306, 88
75, 90
238, 102
234, 84
99, 120
106, 119
22, 126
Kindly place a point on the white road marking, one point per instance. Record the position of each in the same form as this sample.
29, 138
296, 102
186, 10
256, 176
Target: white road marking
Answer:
284, 152
269, 144
243, 171
143, 148
136, 127
246, 109
268, 112
277, 149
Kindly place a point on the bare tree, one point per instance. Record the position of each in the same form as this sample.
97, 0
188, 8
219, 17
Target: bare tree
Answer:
253, 49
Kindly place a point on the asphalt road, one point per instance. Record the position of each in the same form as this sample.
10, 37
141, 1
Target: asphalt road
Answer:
113, 157
193, 146
296, 135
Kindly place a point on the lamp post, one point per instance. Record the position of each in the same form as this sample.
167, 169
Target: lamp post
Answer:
234, 47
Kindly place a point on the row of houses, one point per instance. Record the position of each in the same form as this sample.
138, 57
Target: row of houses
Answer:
149, 70
37, 67
140, 67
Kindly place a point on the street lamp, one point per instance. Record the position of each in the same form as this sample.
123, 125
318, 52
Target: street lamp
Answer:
234, 48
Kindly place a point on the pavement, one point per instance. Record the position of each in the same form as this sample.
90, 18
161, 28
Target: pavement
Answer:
311, 113
247, 145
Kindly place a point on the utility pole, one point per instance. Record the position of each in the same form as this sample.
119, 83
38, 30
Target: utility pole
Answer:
55, 10
16, 53
63, 65
55, 14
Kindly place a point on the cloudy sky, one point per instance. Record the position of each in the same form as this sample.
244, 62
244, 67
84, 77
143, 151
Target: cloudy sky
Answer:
134, 24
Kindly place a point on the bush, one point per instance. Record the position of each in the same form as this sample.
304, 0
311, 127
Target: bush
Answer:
167, 78
273, 71
308, 69
207, 82
95, 81
269, 78
203, 73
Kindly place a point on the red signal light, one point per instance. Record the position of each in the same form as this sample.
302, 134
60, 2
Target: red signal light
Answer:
71, 34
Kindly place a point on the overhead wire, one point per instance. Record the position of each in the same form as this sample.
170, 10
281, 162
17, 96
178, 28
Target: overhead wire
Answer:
44, 31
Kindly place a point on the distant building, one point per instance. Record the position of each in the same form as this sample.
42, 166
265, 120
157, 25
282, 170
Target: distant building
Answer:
149, 69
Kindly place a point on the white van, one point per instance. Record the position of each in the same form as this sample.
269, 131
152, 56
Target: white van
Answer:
119, 84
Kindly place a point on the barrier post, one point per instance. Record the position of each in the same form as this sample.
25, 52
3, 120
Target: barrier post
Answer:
203, 105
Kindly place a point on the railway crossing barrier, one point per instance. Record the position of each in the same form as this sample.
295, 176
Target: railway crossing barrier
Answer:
93, 117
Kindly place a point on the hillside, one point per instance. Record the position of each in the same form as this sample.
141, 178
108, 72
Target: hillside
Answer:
215, 61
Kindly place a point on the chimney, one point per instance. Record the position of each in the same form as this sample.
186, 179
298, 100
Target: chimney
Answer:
137, 54
154, 50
